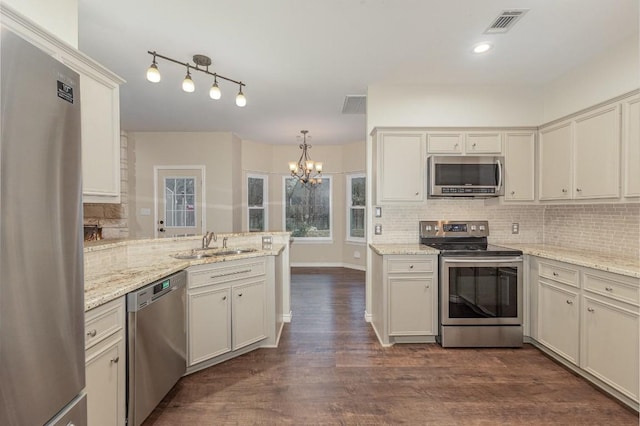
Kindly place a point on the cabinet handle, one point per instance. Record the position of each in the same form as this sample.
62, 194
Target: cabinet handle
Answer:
239, 294
555, 274
569, 302
230, 273
115, 360
591, 310
609, 288
92, 333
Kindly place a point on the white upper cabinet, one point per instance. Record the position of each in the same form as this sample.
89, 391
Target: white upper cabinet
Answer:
555, 163
445, 142
597, 154
631, 146
519, 148
483, 143
400, 166
464, 142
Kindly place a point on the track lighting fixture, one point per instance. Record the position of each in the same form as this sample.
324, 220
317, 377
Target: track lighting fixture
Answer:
201, 63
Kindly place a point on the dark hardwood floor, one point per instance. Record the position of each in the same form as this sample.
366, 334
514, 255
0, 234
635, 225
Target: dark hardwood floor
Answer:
330, 369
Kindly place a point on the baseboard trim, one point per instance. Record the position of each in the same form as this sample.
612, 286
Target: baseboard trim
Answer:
327, 265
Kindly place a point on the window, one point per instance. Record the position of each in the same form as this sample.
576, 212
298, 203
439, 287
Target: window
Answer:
180, 202
257, 203
308, 209
356, 202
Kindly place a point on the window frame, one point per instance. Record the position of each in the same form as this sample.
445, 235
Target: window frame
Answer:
265, 200
349, 206
309, 240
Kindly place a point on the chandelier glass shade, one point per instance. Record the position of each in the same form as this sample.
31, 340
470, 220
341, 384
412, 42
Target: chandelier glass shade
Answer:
201, 63
305, 169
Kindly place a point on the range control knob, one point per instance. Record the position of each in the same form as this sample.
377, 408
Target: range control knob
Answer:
436, 228
428, 228
473, 228
482, 227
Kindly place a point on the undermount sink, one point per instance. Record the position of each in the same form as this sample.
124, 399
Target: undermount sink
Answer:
198, 254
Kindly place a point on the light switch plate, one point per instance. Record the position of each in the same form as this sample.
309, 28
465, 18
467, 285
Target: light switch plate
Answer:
378, 229
378, 211
515, 228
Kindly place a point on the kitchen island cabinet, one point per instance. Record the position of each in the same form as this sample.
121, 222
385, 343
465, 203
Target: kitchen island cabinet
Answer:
105, 364
227, 310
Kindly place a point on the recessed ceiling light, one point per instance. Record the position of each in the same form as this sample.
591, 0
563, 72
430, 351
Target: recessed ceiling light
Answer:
482, 47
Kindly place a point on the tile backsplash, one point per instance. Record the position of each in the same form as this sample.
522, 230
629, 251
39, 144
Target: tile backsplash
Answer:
610, 228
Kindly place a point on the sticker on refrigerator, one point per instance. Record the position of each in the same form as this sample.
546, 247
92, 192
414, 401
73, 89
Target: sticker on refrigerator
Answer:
65, 92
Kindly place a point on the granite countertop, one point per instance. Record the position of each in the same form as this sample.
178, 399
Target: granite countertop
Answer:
384, 249
116, 274
590, 259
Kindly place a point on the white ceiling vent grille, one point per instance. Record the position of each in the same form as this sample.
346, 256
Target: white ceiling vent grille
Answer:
355, 104
505, 21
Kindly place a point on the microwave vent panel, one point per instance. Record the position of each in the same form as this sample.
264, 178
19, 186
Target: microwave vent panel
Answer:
505, 21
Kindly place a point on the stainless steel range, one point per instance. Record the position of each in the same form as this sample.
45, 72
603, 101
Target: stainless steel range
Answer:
480, 286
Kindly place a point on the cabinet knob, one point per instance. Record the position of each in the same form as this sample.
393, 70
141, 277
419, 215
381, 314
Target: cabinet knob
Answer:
578, 190
564, 191
569, 302
417, 193
428, 286
513, 192
410, 266
555, 274
115, 360
92, 333
224, 298
456, 146
473, 146
239, 294
609, 288
591, 310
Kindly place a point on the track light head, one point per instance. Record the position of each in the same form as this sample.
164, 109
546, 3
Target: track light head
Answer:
187, 84
240, 99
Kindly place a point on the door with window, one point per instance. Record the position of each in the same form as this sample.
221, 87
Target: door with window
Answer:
179, 201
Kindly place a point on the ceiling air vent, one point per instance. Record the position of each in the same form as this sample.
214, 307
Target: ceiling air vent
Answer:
355, 104
505, 21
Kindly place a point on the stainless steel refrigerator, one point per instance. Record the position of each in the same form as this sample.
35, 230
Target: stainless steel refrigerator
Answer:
41, 273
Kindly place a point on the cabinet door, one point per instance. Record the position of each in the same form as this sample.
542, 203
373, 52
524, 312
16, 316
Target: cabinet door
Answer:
597, 154
483, 143
519, 166
400, 171
558, 320
209, 322
611, 345
249, 322
100, 111
105, 380
411, 306
445, 143
554, 168
631, 140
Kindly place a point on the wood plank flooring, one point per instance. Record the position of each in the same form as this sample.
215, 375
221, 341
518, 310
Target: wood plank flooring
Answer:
330, 369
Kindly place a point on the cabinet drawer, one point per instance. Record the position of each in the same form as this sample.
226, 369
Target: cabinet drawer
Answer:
619, 288
559, 273
225, 272
410, 265
103, 321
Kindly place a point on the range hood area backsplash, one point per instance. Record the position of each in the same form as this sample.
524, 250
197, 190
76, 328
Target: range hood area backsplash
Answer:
608, 228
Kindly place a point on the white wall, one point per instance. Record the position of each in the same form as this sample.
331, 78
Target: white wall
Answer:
610, 74
60, 17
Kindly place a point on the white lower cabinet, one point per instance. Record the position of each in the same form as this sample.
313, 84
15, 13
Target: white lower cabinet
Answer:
404, 298
559, 320
105, 364
226, 308
590, 319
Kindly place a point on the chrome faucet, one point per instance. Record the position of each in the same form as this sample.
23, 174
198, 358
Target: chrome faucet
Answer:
224, 242
207, 237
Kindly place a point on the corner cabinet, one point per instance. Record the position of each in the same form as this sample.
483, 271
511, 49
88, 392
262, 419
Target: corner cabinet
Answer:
100, 109
519, 169
105, 364
399, 161
404, 296
631, 146
226, 309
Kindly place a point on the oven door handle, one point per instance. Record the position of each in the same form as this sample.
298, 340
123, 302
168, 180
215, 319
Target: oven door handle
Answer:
493, 260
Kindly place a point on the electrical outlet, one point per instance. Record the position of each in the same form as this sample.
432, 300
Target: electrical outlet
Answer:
515, 228
378, 229
356, 254
378, 211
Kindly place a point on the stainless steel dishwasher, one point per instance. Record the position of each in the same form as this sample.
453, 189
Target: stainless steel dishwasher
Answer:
156, 344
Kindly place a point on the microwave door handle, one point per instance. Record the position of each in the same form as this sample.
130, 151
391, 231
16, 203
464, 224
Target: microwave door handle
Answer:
499, 163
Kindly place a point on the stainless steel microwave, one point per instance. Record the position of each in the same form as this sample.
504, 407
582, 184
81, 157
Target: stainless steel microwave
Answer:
465, 176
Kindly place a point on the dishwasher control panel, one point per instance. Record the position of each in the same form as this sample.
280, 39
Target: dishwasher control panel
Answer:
146, 295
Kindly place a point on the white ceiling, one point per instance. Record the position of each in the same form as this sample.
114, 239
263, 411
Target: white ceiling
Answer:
300, 58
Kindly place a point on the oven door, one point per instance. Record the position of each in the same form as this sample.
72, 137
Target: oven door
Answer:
481, 290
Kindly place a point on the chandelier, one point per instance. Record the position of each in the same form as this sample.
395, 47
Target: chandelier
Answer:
306, 170
202, 63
